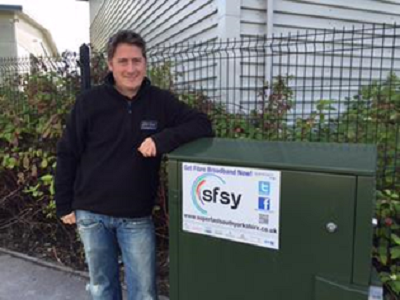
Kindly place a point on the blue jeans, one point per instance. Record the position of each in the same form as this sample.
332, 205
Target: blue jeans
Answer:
102, 236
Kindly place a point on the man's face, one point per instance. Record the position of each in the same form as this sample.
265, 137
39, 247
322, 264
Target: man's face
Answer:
129, 68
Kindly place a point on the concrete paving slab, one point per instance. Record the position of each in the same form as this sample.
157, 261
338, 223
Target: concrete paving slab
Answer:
27, 278
23, 280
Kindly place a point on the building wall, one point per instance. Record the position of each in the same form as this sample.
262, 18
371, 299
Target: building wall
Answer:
94, 7
30, 39
301, 15
8, 46
157, 21
300, 23
201, 20
311, 14
319, 63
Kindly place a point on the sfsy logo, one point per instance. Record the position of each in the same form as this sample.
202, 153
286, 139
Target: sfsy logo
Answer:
209, 189
264, 191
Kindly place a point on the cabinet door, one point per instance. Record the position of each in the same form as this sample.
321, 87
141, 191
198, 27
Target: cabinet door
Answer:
217, 269
317, 229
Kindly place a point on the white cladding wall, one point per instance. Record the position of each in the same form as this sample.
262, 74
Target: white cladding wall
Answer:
326, 69
181, 20
329, 67
31, 40
300, 15
157, 21
8, 45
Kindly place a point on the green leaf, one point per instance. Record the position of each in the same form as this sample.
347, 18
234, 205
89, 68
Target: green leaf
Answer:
395, 238
12, 162
395, 285
26, 162
52, 192
385, 277
395, 252
47, 178
44, 164
383, 255
395, 196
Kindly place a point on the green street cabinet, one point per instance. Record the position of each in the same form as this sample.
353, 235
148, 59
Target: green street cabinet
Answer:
271, 220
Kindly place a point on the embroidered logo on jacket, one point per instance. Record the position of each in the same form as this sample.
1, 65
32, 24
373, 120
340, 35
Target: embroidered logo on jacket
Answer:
148, 125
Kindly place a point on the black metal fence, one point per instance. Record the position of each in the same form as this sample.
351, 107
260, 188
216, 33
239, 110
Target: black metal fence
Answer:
52, 79
321, 85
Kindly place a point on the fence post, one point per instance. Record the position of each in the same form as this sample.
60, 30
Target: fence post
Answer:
84, 59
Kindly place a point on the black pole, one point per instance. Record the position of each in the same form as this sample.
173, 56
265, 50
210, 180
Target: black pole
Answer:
84, 59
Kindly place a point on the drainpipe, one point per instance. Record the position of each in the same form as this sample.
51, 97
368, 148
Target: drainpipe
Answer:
270, 31
270, 17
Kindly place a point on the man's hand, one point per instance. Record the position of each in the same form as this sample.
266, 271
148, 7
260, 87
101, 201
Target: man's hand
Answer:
148, 148
69, 219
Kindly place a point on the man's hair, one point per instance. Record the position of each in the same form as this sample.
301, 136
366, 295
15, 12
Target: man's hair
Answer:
125, 37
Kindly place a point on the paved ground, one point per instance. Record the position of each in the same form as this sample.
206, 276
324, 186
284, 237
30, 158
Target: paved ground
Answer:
25, 278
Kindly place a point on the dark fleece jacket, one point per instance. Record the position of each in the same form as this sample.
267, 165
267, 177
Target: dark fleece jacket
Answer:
99, 168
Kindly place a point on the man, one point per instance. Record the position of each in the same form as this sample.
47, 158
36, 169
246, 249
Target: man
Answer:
107, 168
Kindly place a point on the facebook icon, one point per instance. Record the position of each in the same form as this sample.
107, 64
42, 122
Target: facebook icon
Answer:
264, 188
264, 203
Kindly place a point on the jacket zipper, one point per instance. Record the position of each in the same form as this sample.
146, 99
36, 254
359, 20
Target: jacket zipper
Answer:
129, 107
